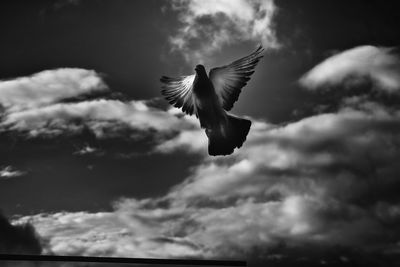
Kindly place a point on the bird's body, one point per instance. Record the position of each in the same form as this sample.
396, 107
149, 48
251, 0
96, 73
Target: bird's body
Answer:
209, 97
208, 106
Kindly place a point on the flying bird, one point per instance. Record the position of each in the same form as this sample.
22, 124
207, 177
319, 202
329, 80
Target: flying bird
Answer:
210, 97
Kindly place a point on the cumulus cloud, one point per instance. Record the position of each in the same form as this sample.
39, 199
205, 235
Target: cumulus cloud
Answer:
378, 65
105, 234
191, 140
34, 108
327, 180
33, 105
9, 172
208, 25
48, 87
104, 117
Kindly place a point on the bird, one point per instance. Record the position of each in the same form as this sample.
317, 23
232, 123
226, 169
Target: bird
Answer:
211, 96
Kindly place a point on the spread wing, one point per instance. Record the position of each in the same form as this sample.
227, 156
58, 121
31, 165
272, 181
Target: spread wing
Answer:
179, 93
228, 80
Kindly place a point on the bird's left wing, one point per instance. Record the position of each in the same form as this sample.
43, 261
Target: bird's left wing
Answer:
228, 80
179, 92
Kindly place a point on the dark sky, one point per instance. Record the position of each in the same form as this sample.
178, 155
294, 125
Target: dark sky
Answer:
122, 39
127, 41
89, 145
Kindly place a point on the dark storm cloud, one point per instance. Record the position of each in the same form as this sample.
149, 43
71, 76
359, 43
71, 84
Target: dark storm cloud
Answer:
18, 239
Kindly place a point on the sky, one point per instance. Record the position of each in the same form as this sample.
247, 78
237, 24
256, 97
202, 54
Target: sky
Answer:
96, 163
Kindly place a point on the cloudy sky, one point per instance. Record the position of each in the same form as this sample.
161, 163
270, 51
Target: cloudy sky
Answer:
94, 162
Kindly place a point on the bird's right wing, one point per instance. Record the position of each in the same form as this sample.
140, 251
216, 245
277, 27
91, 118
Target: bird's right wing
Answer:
179, 92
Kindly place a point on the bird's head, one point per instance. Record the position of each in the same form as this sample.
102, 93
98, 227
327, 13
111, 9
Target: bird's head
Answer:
200, 69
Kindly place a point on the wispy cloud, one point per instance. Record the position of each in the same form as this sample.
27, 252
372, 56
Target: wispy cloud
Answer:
87, 149
207, 26
9, 172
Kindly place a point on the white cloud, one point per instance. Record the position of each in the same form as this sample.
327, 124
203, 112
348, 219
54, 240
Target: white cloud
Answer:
303, 149
305, 182
9, 172
104, 234
48, 87
99, 115
193, 141
351, 67
298, 183
87, 149
208, 25
33, 109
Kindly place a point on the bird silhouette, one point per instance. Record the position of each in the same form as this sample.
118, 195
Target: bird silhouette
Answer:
210, 97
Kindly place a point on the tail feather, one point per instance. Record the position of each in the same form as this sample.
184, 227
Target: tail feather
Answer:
223, 142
